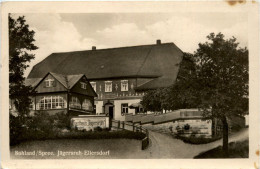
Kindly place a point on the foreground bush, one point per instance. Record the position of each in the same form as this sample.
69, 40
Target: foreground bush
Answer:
236, 150
40, 126
16, 129
43, 126
197, 140
101, 135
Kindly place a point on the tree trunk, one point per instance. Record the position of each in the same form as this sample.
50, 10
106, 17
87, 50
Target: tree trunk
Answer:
225, 136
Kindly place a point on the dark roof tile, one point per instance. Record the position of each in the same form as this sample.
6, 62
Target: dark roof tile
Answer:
138, 61
68, 81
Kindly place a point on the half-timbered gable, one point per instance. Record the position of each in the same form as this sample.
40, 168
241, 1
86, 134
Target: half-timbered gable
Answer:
82, 86
50, 84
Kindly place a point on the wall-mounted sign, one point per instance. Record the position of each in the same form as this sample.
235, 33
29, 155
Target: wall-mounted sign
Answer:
89, 122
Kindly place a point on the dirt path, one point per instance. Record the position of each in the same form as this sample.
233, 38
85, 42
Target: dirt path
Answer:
165, 146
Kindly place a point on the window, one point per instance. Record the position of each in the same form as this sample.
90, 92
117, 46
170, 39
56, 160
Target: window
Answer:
124, 108
49, 83
108, 86
51, 102
124, 85
83, 85
94, 85
139, 110
87, 105
75, 103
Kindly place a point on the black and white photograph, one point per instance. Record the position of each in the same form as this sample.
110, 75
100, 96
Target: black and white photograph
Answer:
131, 85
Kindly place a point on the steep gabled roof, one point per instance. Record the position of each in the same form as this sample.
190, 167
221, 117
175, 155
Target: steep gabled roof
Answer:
32, 81
158, 60
68, 81
158, 82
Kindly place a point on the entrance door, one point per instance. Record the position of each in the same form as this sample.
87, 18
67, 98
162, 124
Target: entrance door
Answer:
111, 112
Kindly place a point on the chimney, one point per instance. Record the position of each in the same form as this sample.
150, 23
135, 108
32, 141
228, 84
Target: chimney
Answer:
158, 42
94, 48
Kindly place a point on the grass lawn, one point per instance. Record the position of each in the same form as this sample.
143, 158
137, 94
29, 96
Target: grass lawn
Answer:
236, 150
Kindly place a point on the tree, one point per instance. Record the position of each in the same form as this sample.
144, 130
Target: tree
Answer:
222, 80
178, 95
214, 79
20, 43
183, 93
152, 100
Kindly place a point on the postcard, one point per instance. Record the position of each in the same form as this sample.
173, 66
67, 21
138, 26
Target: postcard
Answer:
130, 84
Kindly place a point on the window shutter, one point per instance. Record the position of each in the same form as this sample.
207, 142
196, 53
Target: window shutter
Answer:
45, 84
54, 83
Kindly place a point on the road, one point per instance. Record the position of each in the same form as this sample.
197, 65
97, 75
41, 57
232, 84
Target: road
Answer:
162, 146
165, 146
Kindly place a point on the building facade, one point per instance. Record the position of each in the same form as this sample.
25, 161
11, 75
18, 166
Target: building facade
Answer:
119, 76
53, 93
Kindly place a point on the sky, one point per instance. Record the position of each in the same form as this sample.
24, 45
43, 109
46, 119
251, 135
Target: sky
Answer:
60, 32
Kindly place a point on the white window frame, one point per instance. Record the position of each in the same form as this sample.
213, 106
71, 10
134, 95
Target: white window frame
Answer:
49, 82
108, 86
89, 106
94, 85
75, 103
83, 85
124, 108
51, 102
124, 85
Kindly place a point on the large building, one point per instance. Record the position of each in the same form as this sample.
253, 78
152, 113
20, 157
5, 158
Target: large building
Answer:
119, 76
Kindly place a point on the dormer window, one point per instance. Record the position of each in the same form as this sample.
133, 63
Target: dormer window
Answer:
124, 85
94, 85
83, 85
49, 83
108, 86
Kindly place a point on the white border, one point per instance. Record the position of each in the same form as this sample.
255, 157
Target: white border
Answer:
135, 7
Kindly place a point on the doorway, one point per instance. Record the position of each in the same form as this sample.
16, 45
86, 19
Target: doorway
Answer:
111, 112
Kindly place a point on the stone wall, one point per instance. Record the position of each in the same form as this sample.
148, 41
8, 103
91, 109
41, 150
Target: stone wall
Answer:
197, 127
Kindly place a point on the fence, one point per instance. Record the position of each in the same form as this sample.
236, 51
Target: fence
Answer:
121, 125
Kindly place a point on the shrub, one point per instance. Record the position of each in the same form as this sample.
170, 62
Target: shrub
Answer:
197, 140
40, 126
42, 122
101, 135
62, 120
16, 127
43, 126
98, 128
